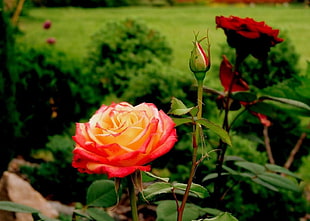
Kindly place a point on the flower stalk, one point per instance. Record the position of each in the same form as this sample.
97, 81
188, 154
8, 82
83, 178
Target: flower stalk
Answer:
199, 64
133, 199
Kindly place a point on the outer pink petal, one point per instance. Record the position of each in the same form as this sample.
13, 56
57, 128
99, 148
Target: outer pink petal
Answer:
86, 166
114, 171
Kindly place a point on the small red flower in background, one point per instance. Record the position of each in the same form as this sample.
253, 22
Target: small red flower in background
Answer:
51, 41
248, 36
47, 24
227, 75
262, 118
120, 139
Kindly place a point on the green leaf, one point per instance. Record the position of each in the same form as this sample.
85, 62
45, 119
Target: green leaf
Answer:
265, 184
216, 129
222, 217
180, 121
15, 207
253, 167
81, 213
244, 96
196, 189
156, 177
213, 176
264, 108
279, 169
101, 193
41, 217
194, 111
178, 107
230, 171
167, 211
99, 214
279, 181
155, 189
294, 103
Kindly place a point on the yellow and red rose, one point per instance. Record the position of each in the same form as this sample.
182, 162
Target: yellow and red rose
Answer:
120, 139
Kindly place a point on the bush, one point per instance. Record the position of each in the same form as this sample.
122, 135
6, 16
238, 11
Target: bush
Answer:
55, 177
9, 119
131, 62
51, 94
119, 49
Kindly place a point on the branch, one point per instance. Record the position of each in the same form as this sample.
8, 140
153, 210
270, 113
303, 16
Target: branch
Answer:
17, 12
267, 145
296, 148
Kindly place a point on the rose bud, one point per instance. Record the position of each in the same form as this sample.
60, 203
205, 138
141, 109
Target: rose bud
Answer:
199, 61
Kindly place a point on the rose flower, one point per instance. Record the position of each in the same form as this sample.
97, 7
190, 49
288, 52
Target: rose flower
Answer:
120, 139
248, 36
232, 81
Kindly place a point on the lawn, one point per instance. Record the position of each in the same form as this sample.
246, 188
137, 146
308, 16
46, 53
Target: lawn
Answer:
72, 27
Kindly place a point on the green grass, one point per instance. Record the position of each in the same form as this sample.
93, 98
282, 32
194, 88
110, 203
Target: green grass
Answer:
72, 27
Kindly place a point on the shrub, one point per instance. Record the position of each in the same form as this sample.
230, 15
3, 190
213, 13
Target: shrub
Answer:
131, 62
55, 177
9, 119
51, 94
119, 49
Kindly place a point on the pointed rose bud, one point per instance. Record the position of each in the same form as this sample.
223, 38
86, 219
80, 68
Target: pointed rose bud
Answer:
199, 61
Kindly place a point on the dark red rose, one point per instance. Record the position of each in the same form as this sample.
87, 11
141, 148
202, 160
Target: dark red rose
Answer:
248, 36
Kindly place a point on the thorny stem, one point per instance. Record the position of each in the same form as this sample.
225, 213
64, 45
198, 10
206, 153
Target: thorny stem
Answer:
133, 199
195, 140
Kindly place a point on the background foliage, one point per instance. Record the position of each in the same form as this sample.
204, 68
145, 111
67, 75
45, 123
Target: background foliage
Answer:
49, 87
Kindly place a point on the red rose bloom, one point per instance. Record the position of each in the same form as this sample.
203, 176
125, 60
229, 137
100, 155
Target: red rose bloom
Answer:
227, 75
248, 36
120, 139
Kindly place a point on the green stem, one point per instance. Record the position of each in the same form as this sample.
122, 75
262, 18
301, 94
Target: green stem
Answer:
133, 199
195, 141
223, 147
199, 99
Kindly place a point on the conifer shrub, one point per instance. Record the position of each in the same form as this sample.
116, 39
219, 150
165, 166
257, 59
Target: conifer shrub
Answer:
131, 61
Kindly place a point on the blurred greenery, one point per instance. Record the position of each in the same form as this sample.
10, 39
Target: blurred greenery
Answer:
55, 87
177, 24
